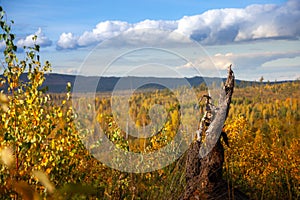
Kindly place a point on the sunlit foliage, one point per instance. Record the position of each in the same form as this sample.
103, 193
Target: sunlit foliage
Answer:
41, 154
40, 135
264, 132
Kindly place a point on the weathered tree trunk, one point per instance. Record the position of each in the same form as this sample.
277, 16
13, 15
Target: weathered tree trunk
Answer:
205, 157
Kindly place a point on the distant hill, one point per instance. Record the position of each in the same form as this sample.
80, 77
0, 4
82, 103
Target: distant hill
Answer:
57, 82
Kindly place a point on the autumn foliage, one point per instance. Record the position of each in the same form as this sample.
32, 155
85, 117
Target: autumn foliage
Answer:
263, 157
42, 154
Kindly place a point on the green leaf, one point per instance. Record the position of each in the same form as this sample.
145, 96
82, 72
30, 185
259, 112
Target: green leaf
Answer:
15, 48
37, 47
4, 36
2, 24
12, 36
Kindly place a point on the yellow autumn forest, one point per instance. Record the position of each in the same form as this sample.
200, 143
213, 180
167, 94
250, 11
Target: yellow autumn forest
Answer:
42, 154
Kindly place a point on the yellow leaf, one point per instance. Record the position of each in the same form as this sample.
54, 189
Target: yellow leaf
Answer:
52, 144
48, 170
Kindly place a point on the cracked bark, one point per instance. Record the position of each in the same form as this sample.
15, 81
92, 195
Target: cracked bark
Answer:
205, 157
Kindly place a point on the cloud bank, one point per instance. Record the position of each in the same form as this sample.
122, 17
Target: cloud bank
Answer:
41, 40
218, 26
250, 60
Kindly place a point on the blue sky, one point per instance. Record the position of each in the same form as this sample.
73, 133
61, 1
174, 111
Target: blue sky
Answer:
260, 37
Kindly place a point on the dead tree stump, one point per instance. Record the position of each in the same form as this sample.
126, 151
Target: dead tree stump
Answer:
205, 157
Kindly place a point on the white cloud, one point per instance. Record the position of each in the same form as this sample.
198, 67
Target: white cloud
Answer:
244, 61
109, 29
218, 26
223, 26
250, 60
286, 62
104, 30
153, 24
67, 41
69, 70
41, 40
